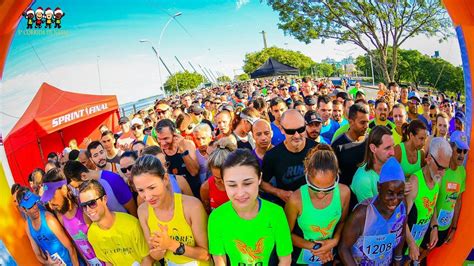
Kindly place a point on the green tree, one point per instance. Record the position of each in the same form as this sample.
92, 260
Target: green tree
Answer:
367, 24
223, 79
298, 60
183, 81
420, 70
325, 69
243, 77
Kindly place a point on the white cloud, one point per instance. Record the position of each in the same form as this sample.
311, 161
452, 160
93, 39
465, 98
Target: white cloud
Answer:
241, 3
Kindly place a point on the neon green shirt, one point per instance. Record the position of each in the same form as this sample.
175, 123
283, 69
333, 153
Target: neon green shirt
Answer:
364, 183
397, 138
452, 185
249, 242
122, 244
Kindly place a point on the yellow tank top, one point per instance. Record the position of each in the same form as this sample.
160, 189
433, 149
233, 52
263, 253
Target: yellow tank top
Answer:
179, 230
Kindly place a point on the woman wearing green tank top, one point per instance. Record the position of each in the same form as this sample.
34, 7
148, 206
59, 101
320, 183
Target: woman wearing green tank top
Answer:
410, 152
320, 208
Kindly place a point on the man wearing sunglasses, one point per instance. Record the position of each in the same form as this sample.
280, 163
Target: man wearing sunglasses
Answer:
284, 162
421, 200
137, 129
374, 232
413, 104
60, 199
452, 186
47, 237
116, 237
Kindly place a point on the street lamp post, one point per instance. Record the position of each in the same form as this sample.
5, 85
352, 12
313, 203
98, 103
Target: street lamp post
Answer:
157, 51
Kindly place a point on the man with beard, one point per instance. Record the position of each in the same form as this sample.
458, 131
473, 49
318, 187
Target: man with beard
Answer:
180, 154
285, 161
313, 126
116, 237
413, 103
61, 200
120, 196
381, 116
421, 200
50, 243
453, 184
99, 157
379, 149
108, 142
377, 222
262, 134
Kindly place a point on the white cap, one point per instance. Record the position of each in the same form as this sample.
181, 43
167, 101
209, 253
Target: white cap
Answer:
136, 121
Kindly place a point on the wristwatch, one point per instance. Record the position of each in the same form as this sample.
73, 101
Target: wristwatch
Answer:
180, 250
185, 153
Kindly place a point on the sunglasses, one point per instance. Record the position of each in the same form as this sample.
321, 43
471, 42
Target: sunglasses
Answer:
129, 168
415, 102
461, 151
136, 127
160, 112
293, 131
325, 190
432, 115
440, 167
92, 204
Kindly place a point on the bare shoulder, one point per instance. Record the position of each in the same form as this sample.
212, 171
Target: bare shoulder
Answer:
191, 203
142, 210
345, 190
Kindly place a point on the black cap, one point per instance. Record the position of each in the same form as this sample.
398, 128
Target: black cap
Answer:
310, 100
239, 95
123, 120
312, 116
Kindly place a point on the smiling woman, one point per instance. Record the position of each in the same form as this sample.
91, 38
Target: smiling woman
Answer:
247, 228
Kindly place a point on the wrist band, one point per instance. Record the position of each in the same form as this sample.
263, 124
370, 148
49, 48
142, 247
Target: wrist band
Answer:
398, 258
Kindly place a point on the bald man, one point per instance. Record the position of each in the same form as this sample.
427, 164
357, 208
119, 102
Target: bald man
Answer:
284, 163
262, 134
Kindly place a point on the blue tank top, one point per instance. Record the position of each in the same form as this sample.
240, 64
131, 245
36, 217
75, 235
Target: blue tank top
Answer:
202, 161
380, 237
47, 240
174, 184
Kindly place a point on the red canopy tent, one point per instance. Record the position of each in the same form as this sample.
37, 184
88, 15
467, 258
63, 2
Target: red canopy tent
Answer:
52, 119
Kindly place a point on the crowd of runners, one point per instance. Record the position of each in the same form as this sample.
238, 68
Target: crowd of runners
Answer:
281, 171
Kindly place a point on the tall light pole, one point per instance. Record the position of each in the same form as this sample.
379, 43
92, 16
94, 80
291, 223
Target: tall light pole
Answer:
157, 51
98, 71
372, 67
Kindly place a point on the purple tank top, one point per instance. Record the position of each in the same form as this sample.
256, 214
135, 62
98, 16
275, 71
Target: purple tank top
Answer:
77, 229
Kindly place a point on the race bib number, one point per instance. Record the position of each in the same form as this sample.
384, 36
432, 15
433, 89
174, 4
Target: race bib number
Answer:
310, 259
418, 231
445, 217
379, 247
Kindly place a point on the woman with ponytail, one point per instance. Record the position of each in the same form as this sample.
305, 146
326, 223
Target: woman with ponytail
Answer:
174, 225
320, 208
212, 190
410, 152
242, 127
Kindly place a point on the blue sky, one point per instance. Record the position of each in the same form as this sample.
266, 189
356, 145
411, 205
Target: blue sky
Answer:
103, 36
